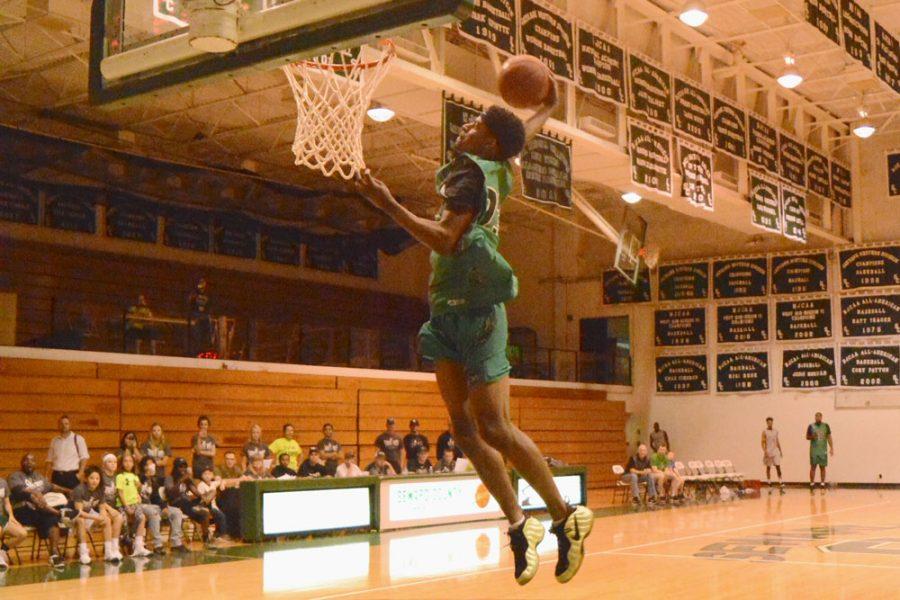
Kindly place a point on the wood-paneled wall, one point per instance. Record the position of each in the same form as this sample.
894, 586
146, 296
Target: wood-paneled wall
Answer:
104, 400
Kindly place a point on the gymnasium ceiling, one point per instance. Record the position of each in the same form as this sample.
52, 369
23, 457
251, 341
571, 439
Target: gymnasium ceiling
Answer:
243, 127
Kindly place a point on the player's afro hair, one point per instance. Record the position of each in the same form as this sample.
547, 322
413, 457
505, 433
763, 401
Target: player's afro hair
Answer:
507, 128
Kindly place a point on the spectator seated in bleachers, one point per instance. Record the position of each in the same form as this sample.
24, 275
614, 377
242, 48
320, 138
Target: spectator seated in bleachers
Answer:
380, 466
31, 507
255, 448
155, 509
203, 447
139, 328
158, 448
92, 512
229, 497
314, 465
256, 470
287, 445
129, 445
391, 444
446, 440
128, 486
12, 533
665, 479
329, 449
421, 465
448, 461
637, 471
209, 487
349, 468
283, 469
182, 493
413, 441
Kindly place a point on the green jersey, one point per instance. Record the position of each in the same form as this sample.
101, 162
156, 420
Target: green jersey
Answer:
476, 275
660, 461
819, 442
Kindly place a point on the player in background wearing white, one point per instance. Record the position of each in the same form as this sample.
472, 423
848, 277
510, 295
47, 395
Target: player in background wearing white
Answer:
772, 454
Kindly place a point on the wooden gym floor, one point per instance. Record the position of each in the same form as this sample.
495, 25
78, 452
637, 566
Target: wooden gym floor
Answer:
842, 544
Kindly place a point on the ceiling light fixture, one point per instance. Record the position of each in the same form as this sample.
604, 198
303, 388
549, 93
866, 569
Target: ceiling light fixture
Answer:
863, 127
694, 13
380, 114
790, 76
631, 197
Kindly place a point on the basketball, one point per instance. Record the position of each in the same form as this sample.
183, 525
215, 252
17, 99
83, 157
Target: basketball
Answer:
524, 81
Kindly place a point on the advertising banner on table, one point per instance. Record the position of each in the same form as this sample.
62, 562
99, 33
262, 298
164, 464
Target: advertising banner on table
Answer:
186, 229
435, 500
494, 22
762, 141
825, 15
818, 173
693, 111
547, 170
742, 372
873, 266
765, 202
794, 213
887, 57
893, 174
803, 319
729, 128
696, 175
792, 160
808, 369
680, 327
548, 34
682, 374
863, 316
132, 218
857, 32
740, 277
618, 290
842, 184
800, 273
72, 209
650, 149
649, 89
870, 366
689, 281
742, 323
18, 203
601, 65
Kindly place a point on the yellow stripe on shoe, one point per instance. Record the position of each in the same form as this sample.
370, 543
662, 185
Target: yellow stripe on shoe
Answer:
571, 535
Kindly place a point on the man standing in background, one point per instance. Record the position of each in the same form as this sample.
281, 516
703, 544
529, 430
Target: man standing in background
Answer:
658, 437
67, 456
414, 441
820, 447
771, 447
329, 449
390, 443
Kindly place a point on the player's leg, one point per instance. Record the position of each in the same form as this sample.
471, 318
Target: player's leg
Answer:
822, 473
768, 478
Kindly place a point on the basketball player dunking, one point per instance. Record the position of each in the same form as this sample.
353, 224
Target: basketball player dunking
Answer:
466, 336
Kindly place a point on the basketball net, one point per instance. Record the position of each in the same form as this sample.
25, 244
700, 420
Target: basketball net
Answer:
333, 93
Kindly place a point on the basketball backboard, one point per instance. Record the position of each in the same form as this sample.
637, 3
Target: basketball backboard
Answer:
631, 240
141, 47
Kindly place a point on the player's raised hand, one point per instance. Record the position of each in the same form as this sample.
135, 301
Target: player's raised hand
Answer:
372, 189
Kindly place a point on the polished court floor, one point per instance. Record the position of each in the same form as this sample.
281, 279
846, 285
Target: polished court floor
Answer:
842, 544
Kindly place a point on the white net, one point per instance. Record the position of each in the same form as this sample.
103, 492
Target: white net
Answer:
333, 93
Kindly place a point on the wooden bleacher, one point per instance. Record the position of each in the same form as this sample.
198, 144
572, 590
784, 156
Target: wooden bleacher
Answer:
574, 424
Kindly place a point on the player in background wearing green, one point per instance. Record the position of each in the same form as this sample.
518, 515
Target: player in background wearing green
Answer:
467, 333
820, 447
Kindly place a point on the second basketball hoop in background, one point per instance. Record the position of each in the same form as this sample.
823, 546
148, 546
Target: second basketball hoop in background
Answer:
524, 81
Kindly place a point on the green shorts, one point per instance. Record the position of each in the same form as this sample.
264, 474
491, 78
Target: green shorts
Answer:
4, 519
818, 459
475, 339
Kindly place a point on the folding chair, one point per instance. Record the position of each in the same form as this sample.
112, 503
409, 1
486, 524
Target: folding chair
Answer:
690, 480
736, 475
621, 486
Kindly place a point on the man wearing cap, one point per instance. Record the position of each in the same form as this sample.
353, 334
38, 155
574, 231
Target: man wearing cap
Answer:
413, 441
381, 466
314, 465
390, 443
349, 468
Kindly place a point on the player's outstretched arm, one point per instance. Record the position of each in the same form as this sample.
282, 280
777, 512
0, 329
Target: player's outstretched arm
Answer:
534, 124
441, 236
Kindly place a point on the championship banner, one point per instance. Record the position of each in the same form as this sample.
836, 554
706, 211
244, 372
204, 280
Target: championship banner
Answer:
818, 173
887, 57
857, 32
72, 209
361, 257
280, 245
692, 111
800, 273
870, 366
681, 374
618, 290
688, 281
874, 266
742, 323
842, 184
131, 218
740, 278
729, 128
235, 235
680, 327
186, 229
763, 145
650, 149
742, 372
455, 115
803, 320
863, 316
649, 89
808, 369
548, 34
792, 160
601, 65
825, 16
547, 170
696, 175
325, 253
893, 174
494, 22
18, 203
765, 202
794, 213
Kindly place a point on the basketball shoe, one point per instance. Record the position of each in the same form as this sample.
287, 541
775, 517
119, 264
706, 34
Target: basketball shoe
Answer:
571, 534
524, 541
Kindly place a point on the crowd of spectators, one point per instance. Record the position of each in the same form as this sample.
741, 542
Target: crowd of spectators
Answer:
132, 493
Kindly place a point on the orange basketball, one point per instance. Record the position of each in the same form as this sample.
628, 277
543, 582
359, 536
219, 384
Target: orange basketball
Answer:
524, 81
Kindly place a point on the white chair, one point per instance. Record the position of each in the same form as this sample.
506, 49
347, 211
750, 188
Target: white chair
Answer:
690, 480
736, 475
621, 486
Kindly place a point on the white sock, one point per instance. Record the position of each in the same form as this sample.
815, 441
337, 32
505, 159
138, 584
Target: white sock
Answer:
107, 549
83, 548
138, 541
517, 524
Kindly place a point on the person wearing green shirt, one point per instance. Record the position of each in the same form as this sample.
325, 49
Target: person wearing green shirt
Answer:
821, 446
287, 445
466, 336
